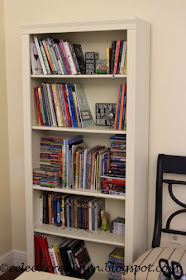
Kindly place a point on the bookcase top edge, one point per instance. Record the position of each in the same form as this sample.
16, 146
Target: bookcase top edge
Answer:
80, 25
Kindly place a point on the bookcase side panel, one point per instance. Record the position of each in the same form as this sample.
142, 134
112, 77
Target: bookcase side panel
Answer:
27, 147
129, 210
141, 137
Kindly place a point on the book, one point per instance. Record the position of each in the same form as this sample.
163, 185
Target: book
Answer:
69, 57
44, 57
101, 66
90, 62
123, 58
84, 109
35, 61
80, 57
39, 54
102, 111
116, 56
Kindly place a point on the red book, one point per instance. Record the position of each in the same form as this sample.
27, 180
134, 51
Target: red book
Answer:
38, 106
116, 114
67, 66
66, 106
116, 56
38, 254
121, 107
44, 249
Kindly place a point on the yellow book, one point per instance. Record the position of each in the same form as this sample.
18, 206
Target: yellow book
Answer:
108, 60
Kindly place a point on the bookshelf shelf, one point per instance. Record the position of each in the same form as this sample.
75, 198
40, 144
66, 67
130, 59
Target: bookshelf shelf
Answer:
94, 36
99, 236
100, 76
89, 129
79, 192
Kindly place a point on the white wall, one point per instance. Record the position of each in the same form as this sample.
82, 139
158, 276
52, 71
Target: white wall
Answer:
167, 80
5, 214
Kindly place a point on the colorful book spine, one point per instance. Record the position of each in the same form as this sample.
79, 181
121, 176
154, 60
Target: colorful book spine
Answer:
38, 106
40, 55
51, 57
41, 105
67, 66
48, 56
123, 58
116, 56
54, 56
44, 57
70, 57
121, 107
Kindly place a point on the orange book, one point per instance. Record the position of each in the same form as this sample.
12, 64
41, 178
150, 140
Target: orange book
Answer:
121, 106
116, 113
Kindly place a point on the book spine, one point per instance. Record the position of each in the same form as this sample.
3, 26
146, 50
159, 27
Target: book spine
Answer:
58, 212
119, 105
54, 56
45, 107
48, 55
122, 105
69, 107
123, 58
67, 66
72, 106
66, 105
38, 106
41, 105
63, 211
62, 104
116, 56
40, 55
74, 58
58, 57
50, 209
70, 58
61, 59
56, 102
51, 57
125, 64
44, 57
108, 60
51, 105
116, 114
113, 49
41, 209
76, 108
54, 261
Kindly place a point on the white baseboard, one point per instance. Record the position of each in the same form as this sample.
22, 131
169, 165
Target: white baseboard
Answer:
12, 258
6, 261
19, 258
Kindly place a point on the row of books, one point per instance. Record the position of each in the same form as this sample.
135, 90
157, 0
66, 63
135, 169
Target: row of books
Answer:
121, 107
62, 105
78, 166
53, 56
71, 211
116, 264
117, 156
117, 57
62, 256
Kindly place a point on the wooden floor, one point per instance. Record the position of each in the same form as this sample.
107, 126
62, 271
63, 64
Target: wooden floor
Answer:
10, 275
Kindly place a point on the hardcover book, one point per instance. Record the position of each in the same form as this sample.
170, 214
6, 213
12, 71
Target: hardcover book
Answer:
35, 61
102, 112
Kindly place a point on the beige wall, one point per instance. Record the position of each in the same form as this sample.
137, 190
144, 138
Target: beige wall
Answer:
167, 83
5, 213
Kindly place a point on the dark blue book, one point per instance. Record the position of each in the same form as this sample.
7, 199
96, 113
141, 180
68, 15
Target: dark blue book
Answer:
69, 104
72, 107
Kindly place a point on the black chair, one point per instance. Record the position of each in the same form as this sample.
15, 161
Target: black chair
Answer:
137, 271
167, 164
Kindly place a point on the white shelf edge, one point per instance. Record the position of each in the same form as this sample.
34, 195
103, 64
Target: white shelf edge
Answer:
79, 192
80, 234
89, 129
96, 76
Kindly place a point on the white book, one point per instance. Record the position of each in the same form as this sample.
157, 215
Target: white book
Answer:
41, 209
35, 61
123, 57
54, 261
70, 58
40, 55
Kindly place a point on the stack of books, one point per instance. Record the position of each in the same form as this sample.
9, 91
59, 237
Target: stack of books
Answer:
71, 211
116, 264
117, 226
62, 105
50, 153
62, 256
56, 57
113, 186
121, 105
117, 57
117, 156
46, 178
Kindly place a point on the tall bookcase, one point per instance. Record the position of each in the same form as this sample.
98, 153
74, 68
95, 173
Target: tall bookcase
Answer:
96, 36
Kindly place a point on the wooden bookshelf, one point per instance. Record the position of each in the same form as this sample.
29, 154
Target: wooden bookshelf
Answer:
95, 36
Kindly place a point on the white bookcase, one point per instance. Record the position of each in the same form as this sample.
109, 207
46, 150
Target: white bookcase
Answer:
95, 35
